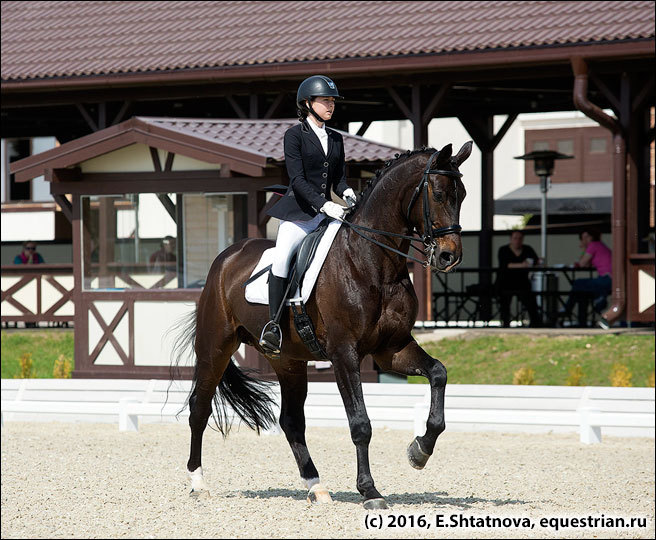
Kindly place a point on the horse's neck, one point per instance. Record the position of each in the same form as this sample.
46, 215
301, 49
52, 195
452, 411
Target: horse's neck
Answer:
383, 210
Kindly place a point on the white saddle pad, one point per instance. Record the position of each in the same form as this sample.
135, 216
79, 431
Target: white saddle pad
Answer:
257, 291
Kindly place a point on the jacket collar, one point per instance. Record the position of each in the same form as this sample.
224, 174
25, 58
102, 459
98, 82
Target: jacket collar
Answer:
315, 140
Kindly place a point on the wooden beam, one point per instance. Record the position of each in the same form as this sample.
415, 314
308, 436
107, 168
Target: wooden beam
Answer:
121, 113
274, 106
117, 183
64, 175
614, 102
477, 130
86, 116
435, 103
168, 205
102, 115
65, 205
503, 130
363, 128
154, 154
236, 107
253, 103
643, 95
168, 166
399, 102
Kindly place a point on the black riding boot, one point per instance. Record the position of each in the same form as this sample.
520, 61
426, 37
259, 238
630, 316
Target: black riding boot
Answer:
271, 339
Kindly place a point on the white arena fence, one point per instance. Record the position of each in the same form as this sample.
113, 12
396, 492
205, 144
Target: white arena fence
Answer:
509, 408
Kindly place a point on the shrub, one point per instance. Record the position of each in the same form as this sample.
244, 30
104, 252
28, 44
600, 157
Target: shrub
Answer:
575, 376
524, 375
620, 375
62, 368
26, 366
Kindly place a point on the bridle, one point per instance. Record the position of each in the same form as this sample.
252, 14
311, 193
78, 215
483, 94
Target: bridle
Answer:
430, 232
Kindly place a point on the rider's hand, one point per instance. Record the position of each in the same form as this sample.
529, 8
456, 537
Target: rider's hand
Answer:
333, 210
349, 197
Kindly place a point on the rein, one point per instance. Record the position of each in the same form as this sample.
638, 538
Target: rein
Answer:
430, 232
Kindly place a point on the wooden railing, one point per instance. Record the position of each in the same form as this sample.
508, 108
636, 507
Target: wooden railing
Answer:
37, 293
468, 296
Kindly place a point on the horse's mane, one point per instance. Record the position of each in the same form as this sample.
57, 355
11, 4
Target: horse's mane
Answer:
389, 164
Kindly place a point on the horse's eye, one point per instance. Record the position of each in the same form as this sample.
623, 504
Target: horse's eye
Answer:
438, 196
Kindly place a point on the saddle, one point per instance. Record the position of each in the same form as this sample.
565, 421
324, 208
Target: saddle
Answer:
299, 265
303, 257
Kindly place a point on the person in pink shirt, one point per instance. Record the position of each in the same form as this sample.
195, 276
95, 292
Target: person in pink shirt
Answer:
597, 255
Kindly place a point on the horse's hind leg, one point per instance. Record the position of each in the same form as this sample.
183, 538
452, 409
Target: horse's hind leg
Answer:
293, 391
413, 360
212, 357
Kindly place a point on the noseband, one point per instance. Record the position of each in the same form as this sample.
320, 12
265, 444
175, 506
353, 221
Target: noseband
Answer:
430, 232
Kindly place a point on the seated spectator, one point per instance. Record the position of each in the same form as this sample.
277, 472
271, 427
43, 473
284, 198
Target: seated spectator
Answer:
161, 260
515, 259
29, 255
596, 255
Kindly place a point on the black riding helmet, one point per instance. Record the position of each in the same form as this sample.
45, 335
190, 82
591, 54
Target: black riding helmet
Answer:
312, 87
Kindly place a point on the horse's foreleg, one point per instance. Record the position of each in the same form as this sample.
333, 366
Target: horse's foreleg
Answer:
347, 375
413, 360
293, 392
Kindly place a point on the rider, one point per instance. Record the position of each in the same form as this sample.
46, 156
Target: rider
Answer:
314, 157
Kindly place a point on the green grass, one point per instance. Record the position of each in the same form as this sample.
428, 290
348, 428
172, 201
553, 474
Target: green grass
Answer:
45, 347
471, 359
494, 359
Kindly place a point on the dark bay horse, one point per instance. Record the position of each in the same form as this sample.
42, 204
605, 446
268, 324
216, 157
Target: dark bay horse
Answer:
363, 303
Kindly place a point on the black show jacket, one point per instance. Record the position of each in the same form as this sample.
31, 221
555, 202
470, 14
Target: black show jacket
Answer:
312, 174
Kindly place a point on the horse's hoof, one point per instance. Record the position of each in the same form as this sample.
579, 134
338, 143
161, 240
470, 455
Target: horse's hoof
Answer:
416, 456
199, 494
375, 504
319, 495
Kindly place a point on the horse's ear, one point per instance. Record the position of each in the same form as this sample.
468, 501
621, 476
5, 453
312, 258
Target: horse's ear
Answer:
463, 153
444, 154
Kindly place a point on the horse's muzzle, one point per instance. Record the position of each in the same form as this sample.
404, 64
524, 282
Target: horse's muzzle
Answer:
445, 261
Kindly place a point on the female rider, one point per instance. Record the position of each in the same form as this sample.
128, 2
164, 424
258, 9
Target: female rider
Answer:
314, 157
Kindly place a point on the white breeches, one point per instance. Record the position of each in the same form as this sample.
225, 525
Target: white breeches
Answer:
290, 235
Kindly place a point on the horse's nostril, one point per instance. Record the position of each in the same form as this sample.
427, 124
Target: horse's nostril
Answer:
446, 258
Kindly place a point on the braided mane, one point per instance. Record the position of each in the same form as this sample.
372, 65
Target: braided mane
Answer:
398, 158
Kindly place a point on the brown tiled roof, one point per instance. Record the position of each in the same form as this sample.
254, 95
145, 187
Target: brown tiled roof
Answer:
245, 145
81, 38
265, 137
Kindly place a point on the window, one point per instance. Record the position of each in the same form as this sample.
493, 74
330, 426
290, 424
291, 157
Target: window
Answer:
212, 222
129, 241
597, 145
18, 149
540, 145
566, 146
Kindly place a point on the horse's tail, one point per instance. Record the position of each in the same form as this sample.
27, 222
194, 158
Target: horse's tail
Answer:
246, 396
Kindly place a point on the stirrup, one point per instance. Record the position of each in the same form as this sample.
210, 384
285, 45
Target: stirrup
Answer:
271, 331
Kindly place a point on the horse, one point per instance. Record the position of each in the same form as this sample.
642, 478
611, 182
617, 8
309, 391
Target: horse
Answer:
363, 304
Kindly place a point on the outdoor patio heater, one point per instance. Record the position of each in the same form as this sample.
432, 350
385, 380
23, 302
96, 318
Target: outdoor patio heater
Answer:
543, 160
545, 282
